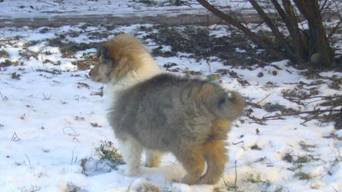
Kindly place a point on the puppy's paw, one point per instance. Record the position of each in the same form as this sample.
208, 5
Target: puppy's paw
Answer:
207, 180
176, 180
133, 172
124, 170
121, 169
189, 179
151, 164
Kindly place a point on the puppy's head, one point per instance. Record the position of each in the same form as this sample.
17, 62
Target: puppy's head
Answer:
117, 57
223, 103
230, 104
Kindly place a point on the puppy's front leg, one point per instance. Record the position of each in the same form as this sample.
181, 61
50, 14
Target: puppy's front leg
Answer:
131, 151
193, 162
152, 158
215, 154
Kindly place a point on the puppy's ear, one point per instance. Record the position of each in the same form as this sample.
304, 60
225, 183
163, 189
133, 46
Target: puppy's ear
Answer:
103, 55
122, 67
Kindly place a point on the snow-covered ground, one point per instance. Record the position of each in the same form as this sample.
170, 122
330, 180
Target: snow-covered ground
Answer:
63, 12
48, 8
52, 120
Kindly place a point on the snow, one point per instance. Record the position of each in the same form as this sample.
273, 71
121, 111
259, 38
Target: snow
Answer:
45, 8
47, 123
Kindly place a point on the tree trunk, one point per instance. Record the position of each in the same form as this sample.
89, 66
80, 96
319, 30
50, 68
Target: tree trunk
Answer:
291, 21
305, 46
319, 51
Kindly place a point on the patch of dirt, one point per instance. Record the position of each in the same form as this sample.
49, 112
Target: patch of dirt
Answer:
4, 54
99, 35
85, 63
67, 48
234, 49
8, 63
158, 3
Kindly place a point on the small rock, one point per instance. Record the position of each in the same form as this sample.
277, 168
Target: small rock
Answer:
260, 74
257, 131
255, 147
315, 58
274, 73
288, 158
15, 76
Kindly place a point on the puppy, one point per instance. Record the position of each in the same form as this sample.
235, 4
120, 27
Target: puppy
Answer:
162, 112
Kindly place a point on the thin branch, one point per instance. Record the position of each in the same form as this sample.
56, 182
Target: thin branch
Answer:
301, 112
291, 22
278, 35
263, 99
299, 42
323, 5
280, 11
236, 23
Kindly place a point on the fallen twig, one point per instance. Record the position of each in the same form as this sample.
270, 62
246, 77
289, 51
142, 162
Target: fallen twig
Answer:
300, 112
54, 72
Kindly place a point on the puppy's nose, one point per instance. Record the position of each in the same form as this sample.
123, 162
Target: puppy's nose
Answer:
90, 72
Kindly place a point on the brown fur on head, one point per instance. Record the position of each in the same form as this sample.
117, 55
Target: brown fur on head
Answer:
118, 57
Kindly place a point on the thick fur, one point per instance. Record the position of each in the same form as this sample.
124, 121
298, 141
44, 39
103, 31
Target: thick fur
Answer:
165, 113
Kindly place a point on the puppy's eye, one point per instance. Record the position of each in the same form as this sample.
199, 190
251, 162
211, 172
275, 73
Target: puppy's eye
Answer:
100, 51
221, 102
104, 61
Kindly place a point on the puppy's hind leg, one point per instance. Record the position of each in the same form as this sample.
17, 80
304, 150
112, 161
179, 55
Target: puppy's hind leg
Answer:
215, 155
131, 151
153, 158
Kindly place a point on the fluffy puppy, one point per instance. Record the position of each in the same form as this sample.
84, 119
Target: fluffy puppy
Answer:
162, 112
